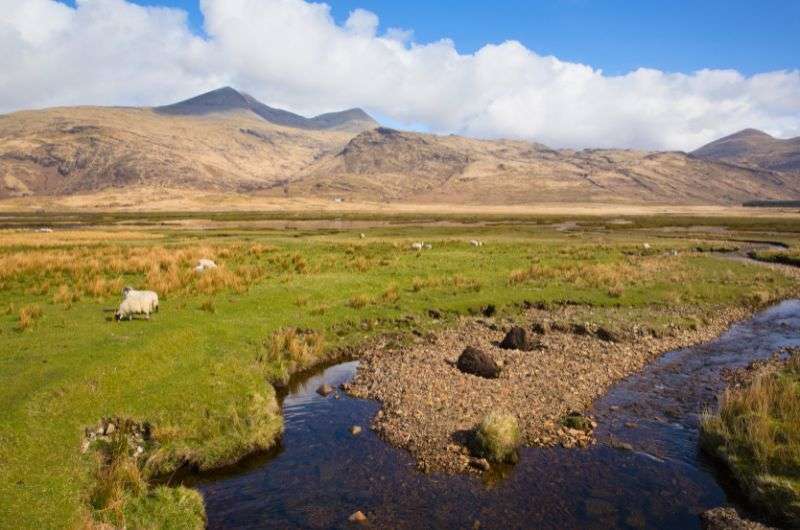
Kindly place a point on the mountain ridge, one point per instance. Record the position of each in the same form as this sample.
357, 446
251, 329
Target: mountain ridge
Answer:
754, 148
226, 141
228, 99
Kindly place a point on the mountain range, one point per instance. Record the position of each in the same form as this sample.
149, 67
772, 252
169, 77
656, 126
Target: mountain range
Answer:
228, 141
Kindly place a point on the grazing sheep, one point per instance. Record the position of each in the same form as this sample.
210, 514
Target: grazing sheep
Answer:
134, 305
646, 246
417, 246
204, 264
362, 235
476, 243
150, 297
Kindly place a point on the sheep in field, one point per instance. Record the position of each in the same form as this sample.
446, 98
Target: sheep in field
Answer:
133, 305
417, 246
150, 297
205, 264
476, 243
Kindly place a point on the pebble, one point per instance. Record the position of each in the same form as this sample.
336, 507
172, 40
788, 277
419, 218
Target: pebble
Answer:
355, 430
358, 517
325, 390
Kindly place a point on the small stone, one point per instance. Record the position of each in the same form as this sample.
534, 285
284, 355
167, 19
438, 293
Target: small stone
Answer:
480, 463
325, 390
358, 517
622, 446
631, 425
110, 428
355, 430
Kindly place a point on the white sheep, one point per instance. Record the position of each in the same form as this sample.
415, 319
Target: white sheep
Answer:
476, 243
204, 264
417, 246
133, 305
646, 246
362, 235
150, 297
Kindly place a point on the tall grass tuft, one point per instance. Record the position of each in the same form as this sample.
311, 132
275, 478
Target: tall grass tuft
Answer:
756, 433
28, 315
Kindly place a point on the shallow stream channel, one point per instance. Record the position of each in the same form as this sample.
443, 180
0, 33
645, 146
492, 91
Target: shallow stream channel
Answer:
644, 472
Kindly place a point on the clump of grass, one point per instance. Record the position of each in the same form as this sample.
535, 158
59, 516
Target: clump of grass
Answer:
28, 315
358, 301
391, 294
497, 438
756, 434
292, 349
208, 306
66, 296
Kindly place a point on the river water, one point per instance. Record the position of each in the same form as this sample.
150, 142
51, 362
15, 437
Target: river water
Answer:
321, 473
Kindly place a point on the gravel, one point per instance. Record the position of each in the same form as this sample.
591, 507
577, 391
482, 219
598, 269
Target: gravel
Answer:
429, 406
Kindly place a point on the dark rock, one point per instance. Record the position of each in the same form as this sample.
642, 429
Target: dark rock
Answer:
325, 390
516, 339
489, 310
580, 329
476, 362
727, 519
607, 335
435, 314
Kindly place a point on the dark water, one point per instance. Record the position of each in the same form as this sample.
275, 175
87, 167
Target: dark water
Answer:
323, 474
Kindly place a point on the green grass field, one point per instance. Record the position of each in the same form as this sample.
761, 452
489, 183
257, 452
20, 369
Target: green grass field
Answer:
200, 371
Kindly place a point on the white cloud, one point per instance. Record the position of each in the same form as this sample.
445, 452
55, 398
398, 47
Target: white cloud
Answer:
291, 53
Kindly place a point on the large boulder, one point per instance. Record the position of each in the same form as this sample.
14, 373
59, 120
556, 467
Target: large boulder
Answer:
477, 362
516, 339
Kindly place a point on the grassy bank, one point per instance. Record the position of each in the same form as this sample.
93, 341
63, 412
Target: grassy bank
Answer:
756, 435
199, 372
790, 256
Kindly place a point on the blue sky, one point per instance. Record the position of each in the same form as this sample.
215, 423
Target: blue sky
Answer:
615, 35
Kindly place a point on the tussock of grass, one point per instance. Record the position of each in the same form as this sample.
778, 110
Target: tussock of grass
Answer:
122, 496
218, 439
28, 315
756, 434
497, 438
288, 350
358, 301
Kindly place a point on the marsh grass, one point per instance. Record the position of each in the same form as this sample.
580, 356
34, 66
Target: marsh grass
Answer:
756, 433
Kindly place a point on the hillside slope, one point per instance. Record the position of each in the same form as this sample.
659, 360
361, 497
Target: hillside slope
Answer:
226, 141
388, 165
754, 148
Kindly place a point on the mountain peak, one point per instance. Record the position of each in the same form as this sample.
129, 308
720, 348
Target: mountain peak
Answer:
228, 99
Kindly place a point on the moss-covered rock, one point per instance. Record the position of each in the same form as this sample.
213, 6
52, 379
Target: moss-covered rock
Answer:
497, 438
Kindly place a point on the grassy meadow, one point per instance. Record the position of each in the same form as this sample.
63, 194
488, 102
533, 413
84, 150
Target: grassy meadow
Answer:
201, 371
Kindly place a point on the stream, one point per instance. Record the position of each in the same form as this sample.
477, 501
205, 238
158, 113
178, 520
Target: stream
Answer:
321, 473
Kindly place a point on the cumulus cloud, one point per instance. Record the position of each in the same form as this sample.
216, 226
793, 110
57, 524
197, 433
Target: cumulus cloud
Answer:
292, 54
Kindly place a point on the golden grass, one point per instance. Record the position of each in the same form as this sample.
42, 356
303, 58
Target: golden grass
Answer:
27, 238
28, 315
756, 433
358, 301
292, 348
